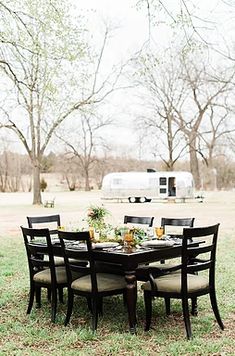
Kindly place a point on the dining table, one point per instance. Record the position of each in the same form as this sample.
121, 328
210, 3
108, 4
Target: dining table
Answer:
129, 259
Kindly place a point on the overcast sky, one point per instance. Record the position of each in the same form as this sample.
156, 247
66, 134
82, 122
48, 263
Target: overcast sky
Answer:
213, 18
132, 32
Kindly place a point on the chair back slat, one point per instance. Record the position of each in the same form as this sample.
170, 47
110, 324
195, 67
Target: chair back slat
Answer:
194, 251
200, 231
39, 262
175, 225
145, 220
177, 221
198, 267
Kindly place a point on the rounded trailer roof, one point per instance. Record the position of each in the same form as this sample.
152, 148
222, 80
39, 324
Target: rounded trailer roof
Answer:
153, 174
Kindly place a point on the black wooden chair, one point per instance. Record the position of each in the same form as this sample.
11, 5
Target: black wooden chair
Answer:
50, 222
175, 222
189, 283
143, 220
166, 223
141, 271
43, 272
94, 285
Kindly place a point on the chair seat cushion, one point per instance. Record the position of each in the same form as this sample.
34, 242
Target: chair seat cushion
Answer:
172, 283
45, 276
61, 277
105, 282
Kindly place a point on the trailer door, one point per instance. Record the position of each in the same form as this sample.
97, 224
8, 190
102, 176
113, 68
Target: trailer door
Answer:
171, 187
163, 189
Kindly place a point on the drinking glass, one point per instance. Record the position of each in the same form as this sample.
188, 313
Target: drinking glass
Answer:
128, 238
159, 232
92, 232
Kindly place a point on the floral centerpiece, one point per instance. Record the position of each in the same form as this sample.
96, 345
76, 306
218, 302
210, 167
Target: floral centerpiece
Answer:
96, 219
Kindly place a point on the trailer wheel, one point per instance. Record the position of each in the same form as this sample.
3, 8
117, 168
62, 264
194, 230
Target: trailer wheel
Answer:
142, 199
132, 199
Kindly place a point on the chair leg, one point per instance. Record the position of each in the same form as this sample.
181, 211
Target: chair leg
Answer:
61, 296
168, 306
148, 309
216, 309
194, 310
38, 297
186, 318
124, 299
89, 304
49, 294
69, 307
94, 314
100, 306
31, 298
53, 304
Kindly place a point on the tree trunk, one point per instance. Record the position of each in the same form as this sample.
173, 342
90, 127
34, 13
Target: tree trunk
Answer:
170, 163
37, 199
87, 184
195, 168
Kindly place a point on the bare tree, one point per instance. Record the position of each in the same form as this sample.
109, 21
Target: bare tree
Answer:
182, 94
10, 171
47, 65
161, 93
204, 92
197, 28
85, 141
215, 133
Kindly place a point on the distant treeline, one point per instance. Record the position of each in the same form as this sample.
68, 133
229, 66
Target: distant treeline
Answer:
16, 171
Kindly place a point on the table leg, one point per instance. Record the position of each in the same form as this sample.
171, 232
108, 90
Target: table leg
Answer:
131, 299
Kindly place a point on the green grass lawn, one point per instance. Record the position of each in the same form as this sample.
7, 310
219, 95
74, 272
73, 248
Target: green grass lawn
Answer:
34, 334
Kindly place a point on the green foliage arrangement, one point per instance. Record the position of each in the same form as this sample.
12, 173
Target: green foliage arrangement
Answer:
96, 218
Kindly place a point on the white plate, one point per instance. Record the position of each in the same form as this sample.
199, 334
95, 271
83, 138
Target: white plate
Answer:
100, 245
157, 243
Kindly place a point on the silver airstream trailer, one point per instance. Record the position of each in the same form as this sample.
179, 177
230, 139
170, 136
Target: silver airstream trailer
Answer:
146, 186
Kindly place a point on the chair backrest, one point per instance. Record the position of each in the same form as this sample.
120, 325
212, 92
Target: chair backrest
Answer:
145, 220
49, 221
201, 257
38, 244
77, 246
179, 222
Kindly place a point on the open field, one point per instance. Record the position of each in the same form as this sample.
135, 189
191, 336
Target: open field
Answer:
72, 206
21, 334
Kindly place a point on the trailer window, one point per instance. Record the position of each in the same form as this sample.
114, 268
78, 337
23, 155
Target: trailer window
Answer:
162, 180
